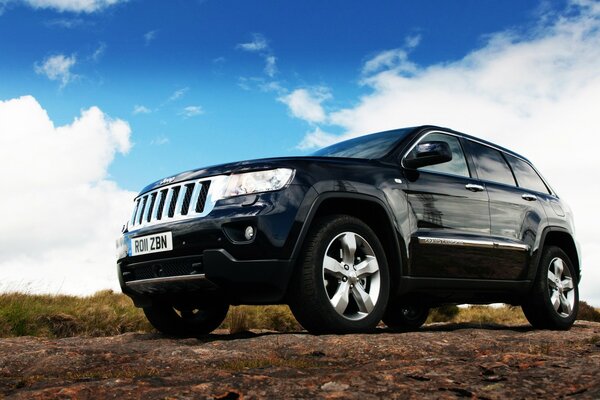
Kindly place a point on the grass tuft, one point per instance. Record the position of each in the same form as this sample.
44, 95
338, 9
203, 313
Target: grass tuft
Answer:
54, 316
276, 318
587, 312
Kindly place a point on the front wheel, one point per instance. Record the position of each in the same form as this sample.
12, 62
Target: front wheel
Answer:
342, 282
188, 320
554, 298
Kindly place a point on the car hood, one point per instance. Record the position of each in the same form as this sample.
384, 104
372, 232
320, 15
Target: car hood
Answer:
249, 165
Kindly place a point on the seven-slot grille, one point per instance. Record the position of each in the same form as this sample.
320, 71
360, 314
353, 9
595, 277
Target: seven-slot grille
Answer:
182, 200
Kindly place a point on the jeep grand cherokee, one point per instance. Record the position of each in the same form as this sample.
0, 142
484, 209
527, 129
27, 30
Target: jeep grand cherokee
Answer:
380, 227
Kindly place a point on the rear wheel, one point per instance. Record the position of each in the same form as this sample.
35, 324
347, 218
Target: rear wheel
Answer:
402, 315
554, 299
188, 320
342, 282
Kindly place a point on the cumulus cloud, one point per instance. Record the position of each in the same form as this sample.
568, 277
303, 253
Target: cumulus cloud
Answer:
306, 103
57, 68
77, 6
192, 111
536, 92
62, 215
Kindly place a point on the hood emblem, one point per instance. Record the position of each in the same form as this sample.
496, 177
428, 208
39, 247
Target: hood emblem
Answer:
166, 181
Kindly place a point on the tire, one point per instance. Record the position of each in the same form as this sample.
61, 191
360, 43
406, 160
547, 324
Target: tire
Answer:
186, 321
341, 284
554, 299
404, 316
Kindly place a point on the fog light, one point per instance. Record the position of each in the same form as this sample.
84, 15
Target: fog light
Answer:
249, 233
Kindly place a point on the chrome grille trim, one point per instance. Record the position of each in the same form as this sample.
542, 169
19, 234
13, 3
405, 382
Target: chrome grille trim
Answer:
147, 207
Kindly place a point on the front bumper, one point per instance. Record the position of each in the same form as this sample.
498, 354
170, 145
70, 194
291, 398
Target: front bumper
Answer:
211, 257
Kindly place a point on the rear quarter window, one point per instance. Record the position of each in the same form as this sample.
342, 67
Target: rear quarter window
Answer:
527, 177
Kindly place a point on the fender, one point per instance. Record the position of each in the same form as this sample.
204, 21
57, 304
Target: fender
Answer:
534, 264
314, 208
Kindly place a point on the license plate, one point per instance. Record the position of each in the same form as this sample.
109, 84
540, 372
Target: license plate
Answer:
152, 243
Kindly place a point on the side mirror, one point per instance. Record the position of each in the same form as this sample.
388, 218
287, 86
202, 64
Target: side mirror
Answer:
428, 153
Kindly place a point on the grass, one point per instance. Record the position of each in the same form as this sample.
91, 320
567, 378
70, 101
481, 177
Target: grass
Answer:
107, 313
103, 314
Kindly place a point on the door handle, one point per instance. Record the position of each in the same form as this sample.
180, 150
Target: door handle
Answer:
474, 188
529, 197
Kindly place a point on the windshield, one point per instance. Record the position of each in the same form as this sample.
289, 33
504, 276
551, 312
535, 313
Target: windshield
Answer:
371, 146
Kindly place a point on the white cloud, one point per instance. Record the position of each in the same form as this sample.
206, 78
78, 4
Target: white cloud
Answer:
77, 6
394, 58
149, 37
537, 93
67, 23
270, 66
410, 42
99, 52
258, 43
138, 109
317, 139
192, 111
57, 68
159, 140
62, 215
306, 103
178, 94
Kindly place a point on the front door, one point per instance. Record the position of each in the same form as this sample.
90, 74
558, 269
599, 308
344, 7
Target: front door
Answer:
449, 215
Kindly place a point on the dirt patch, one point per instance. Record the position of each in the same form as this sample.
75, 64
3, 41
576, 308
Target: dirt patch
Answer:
439, 361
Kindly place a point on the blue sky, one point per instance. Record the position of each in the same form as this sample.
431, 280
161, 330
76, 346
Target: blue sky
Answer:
100, 97
141, 53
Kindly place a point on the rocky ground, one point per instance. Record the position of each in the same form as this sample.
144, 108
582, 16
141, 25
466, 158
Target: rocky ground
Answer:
440, 361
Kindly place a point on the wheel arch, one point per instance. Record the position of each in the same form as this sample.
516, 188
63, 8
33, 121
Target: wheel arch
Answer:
373, 212
562, 238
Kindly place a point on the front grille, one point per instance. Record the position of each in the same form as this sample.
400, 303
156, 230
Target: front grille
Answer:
181, 266
179, 201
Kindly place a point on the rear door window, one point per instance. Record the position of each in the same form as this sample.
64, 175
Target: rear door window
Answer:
491, 165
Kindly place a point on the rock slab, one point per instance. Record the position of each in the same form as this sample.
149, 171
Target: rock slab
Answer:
441, 361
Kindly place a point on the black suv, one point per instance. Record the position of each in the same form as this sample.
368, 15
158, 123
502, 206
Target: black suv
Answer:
380, 227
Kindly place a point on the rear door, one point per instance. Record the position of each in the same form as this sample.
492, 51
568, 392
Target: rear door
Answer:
449, 216
516, 215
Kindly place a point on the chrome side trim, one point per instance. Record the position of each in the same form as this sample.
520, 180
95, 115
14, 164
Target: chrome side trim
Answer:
473, 243
512, 246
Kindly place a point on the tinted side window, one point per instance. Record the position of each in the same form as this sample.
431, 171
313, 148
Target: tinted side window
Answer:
491, 166
458, 164
526, 176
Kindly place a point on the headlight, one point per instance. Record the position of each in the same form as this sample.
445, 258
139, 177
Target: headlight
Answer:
259, 181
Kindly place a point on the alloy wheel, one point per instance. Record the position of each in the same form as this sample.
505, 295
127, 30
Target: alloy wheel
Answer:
351, 276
